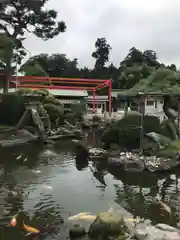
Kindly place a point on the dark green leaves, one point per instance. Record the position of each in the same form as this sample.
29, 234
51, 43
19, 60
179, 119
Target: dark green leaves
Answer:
101, 54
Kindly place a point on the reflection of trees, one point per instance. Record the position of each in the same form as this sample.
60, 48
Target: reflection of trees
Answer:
99, 170
92, 138
81, 163
13, 195
143, 204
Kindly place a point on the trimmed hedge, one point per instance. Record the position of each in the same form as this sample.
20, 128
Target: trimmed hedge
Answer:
126, 132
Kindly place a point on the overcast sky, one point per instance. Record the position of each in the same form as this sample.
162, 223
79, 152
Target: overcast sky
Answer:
144, 24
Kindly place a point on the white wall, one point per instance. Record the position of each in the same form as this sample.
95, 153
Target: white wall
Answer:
156, 108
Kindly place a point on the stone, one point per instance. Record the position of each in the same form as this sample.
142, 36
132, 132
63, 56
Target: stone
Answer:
133, 165
154, 233
106, 224
77, 231
165, 227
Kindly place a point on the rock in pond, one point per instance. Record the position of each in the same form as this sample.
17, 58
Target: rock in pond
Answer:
128, 161
158, 232
97, 154
77, 231
136, 162
160, 164
106, 224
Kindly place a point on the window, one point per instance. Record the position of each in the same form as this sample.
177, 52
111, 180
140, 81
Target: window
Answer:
150, 102
156, 103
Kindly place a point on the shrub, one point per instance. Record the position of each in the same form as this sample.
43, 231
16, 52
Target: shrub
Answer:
126, 132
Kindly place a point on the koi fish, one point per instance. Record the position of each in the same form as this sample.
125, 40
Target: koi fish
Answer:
25, 160
164, 207
30, 229
88, 217
79, 216
47, 187
19, 157
13, 221
36, 171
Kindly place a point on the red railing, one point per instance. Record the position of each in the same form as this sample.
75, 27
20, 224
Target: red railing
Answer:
38, 82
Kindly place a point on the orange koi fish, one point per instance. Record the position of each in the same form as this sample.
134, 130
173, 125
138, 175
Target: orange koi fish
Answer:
30, 229
13, 221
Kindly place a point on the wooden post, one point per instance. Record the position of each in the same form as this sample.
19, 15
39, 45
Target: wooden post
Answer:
125, 108
178, 117
141, 128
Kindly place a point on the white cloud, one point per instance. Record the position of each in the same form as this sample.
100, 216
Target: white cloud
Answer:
144, 24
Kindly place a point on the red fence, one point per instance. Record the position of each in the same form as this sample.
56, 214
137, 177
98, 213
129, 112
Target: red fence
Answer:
37, 82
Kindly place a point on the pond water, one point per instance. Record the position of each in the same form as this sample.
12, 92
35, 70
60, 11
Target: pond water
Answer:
49, 184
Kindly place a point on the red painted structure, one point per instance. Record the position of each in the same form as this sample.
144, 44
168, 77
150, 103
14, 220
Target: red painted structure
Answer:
37, 82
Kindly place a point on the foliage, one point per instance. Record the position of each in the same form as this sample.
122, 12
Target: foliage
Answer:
101, 54
23, 91
54, 111
137, 65
163, 80
33, 70
21, 16
126, 132
6, 46
54, 65
15, 106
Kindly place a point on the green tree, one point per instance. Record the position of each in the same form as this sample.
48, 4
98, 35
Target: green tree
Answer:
55, 65
137, 65
101, 54
166, 82
21, 16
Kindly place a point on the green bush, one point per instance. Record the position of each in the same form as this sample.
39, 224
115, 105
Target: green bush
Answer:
54, 111
23, 91
126, 132
43, 92
52, 100
11, 109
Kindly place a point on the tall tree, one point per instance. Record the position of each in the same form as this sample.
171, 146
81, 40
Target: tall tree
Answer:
21, 16
137, 65
101, 54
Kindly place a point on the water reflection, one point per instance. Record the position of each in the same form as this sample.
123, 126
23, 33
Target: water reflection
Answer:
53, 184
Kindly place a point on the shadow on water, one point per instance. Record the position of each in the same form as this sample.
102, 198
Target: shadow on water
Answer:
50, 183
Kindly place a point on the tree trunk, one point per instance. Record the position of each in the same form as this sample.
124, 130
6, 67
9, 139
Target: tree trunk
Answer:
170, 113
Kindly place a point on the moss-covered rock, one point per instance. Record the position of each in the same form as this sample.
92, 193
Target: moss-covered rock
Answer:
106, 224
50, 99
126, 132
77, 231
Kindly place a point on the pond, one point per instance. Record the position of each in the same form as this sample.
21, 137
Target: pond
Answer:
48, 184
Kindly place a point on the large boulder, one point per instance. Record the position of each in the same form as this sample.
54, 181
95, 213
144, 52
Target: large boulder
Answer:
126, 132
